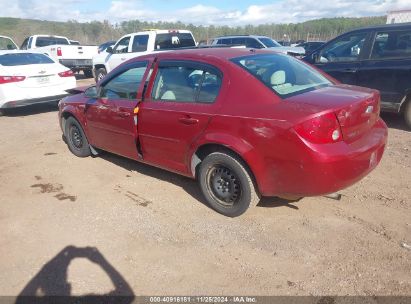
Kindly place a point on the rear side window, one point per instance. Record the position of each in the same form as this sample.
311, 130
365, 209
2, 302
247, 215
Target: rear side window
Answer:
174, 40
124, 85
395, 44
185, 83
24, 59
7, 44
140, 43
46, 41
283, 74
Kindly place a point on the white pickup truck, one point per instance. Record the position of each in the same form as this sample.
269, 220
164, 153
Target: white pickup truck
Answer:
138, 44
75, 57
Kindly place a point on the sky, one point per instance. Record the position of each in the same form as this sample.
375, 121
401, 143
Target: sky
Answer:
207, 12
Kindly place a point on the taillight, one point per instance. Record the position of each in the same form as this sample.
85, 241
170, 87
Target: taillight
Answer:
59, 52
323, 129
67, 73
9, 79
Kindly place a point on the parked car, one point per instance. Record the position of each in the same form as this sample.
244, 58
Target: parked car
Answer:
377, 57
75, 57
291, 131
311, 46
102, 47
258, 42
6, 43
29, 78
138, 44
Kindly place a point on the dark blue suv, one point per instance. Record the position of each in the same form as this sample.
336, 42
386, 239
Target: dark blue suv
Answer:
377, 57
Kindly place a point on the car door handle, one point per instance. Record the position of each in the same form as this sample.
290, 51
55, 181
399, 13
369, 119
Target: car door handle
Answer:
123, 114
350, 70
188, 120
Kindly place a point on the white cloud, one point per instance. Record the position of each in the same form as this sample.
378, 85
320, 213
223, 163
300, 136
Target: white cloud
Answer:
283, 11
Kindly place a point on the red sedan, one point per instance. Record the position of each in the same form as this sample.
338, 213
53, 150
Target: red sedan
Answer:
245, 123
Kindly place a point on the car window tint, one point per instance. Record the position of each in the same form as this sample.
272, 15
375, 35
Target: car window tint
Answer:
125, 85
7, 44
186, 84
140, 43
283, 74
346, 48
238, 40
122, 46
174, 40
395, 44
24, 59
253, 43
46, 41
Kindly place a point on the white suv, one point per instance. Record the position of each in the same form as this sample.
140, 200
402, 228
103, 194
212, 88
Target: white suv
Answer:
138, 44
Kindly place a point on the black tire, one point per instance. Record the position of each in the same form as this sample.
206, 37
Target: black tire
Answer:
88, 73
227, 184
407, 114
100, 74
76, 139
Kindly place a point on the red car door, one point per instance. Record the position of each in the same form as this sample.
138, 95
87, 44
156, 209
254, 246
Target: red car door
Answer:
176, 111
110, 118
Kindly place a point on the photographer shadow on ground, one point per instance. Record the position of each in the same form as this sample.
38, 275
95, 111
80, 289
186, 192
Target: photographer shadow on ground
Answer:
51, 280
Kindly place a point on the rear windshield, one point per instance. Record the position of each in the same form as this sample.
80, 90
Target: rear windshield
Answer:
24, 59
45, 41
7, 44
174, 40
283, 74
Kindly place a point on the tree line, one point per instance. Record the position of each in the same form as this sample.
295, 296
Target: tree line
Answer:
97, 32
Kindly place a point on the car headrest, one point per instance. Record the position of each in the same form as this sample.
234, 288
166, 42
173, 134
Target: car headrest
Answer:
278, 78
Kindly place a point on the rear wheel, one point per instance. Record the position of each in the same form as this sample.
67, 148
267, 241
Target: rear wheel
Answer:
100, 74
76, 139
88, 73
226, 184
407, 114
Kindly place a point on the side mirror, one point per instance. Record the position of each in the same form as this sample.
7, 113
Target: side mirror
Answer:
91, 92
109, 50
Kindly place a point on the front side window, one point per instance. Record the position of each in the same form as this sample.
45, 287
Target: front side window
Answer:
186, 83
24, 59
140, 43
122, 46
125, 85
347, 48
395, 44
253, 43
285, 75
269, 42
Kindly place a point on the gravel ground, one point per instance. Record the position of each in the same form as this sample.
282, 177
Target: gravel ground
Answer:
108, 224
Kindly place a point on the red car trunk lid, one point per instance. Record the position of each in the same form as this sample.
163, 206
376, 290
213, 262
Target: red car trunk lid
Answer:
357, 111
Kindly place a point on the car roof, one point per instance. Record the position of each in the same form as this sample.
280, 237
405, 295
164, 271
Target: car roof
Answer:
224, 53
382, 27
4, 52
240, 36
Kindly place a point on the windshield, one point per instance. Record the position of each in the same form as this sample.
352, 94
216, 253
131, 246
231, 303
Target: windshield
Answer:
24, 59
269, 42
7, 44
174, 40
283, 74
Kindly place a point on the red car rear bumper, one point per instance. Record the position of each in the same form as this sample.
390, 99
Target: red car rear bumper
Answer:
323, 169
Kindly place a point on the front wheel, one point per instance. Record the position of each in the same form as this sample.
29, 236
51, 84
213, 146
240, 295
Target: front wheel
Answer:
76, 139
226, 184
88, 73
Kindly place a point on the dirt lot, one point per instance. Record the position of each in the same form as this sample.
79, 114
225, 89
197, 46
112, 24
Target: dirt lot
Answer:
153, 233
